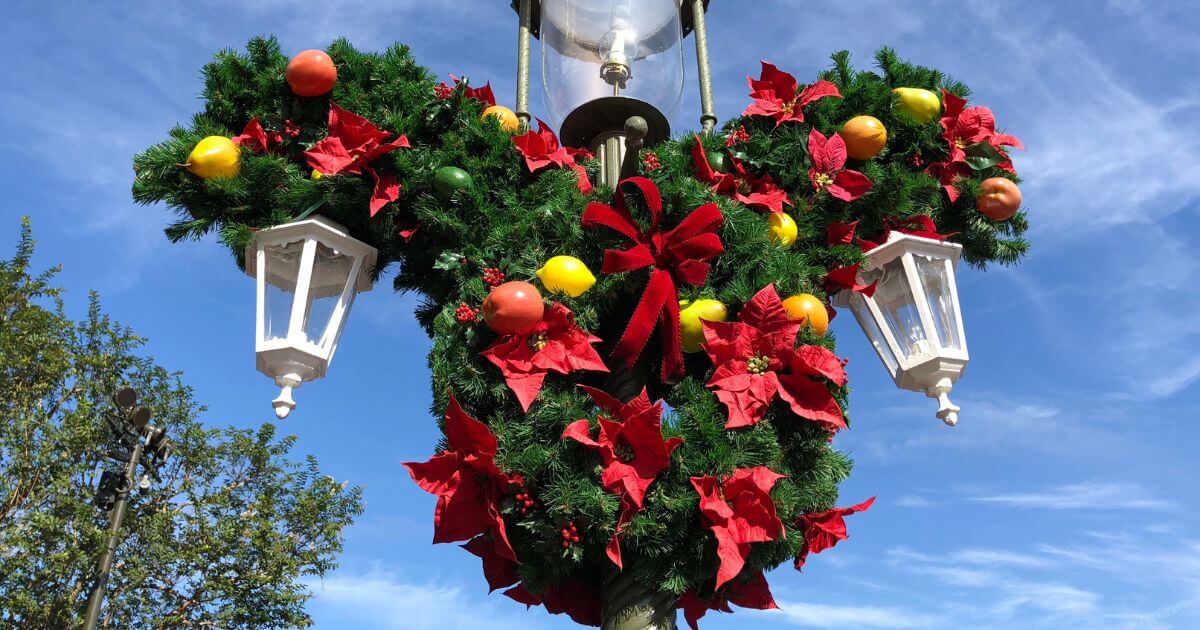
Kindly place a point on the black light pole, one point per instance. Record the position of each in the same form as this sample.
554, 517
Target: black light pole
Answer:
134, 432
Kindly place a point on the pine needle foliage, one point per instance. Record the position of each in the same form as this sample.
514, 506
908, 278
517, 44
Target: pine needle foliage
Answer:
515, 221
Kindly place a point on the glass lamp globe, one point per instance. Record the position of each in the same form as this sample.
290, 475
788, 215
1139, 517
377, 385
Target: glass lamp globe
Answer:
606, 60
307, 274
914, 320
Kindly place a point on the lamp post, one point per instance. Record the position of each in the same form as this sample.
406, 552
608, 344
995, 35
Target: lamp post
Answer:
914, 320
612, 71
307, 274
612, 77
136, 438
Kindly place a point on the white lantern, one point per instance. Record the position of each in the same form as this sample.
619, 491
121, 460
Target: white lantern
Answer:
913, 319
308, 273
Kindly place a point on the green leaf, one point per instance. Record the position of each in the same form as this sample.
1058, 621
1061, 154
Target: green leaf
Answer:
448, 261
982, 156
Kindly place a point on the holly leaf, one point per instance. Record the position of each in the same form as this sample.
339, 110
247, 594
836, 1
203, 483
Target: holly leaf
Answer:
448, 261
982, 156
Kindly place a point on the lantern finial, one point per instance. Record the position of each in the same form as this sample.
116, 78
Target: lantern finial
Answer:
284, 404
947, 411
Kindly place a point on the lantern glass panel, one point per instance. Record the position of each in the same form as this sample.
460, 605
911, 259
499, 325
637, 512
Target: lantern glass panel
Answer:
895, 301
935, 281
580, 36
282, 270
331, 272
863, 314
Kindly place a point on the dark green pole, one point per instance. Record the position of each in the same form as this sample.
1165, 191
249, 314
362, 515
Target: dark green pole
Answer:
100, 585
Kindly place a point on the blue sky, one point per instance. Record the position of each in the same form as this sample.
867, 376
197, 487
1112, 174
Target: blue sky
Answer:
1066, 497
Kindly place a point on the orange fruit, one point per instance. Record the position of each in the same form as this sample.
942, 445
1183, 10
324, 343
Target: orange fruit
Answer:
809, 310
311, 73
513, 308
999, 198
508, 120
864, 136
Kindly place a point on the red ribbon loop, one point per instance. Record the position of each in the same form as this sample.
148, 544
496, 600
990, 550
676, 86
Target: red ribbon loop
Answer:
679, 255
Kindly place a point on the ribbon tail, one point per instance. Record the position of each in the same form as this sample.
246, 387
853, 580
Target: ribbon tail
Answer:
659, 290
672, 361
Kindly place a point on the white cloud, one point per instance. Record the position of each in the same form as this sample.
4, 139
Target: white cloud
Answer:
1082, 496
914, 501
832, 616
386, 600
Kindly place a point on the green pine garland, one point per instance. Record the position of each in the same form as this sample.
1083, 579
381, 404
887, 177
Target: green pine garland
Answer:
515, 220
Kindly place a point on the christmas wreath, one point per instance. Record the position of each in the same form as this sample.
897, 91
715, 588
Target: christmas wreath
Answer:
634, 380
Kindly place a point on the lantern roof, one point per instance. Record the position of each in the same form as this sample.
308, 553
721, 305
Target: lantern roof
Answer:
685, 15
898, 243
328, 232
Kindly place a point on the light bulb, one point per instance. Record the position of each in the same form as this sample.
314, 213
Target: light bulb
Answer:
618, 48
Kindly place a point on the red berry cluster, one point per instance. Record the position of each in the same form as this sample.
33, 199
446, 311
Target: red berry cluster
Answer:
570, 535
916, 160
465, 314
291, 129
493, 277
525, 502
741, 135
274, 138
651, 161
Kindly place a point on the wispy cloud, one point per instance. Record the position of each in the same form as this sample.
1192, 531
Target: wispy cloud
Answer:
1082, 496
387, 600
807, 615
914, 501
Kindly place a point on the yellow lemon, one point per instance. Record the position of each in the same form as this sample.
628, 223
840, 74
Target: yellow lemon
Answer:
809, 310
214, 157
783, 229
865, 137
919, 105
566, 274
691, 330
507, 119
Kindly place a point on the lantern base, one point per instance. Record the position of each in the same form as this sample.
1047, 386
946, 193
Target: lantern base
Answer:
606, 117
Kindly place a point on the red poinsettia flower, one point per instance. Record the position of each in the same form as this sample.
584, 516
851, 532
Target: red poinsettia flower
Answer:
467, 483
776, 94
948, 174
759, 193
484, 94
846, 279
498, 570
542, 149
738, 509
963, 126
828, 172
740, 135
352, 144
633, 451
255, 138
556, 344
823, 530
752, 593
577, 599
756, 359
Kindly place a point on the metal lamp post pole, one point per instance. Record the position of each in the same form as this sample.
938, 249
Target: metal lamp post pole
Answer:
100, 585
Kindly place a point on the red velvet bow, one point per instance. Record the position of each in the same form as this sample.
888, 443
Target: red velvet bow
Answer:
679, 255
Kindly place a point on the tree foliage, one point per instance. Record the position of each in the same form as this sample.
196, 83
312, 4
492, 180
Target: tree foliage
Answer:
224, 538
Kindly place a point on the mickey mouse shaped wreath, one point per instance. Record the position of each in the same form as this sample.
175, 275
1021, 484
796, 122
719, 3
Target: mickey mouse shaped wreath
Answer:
596, 469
